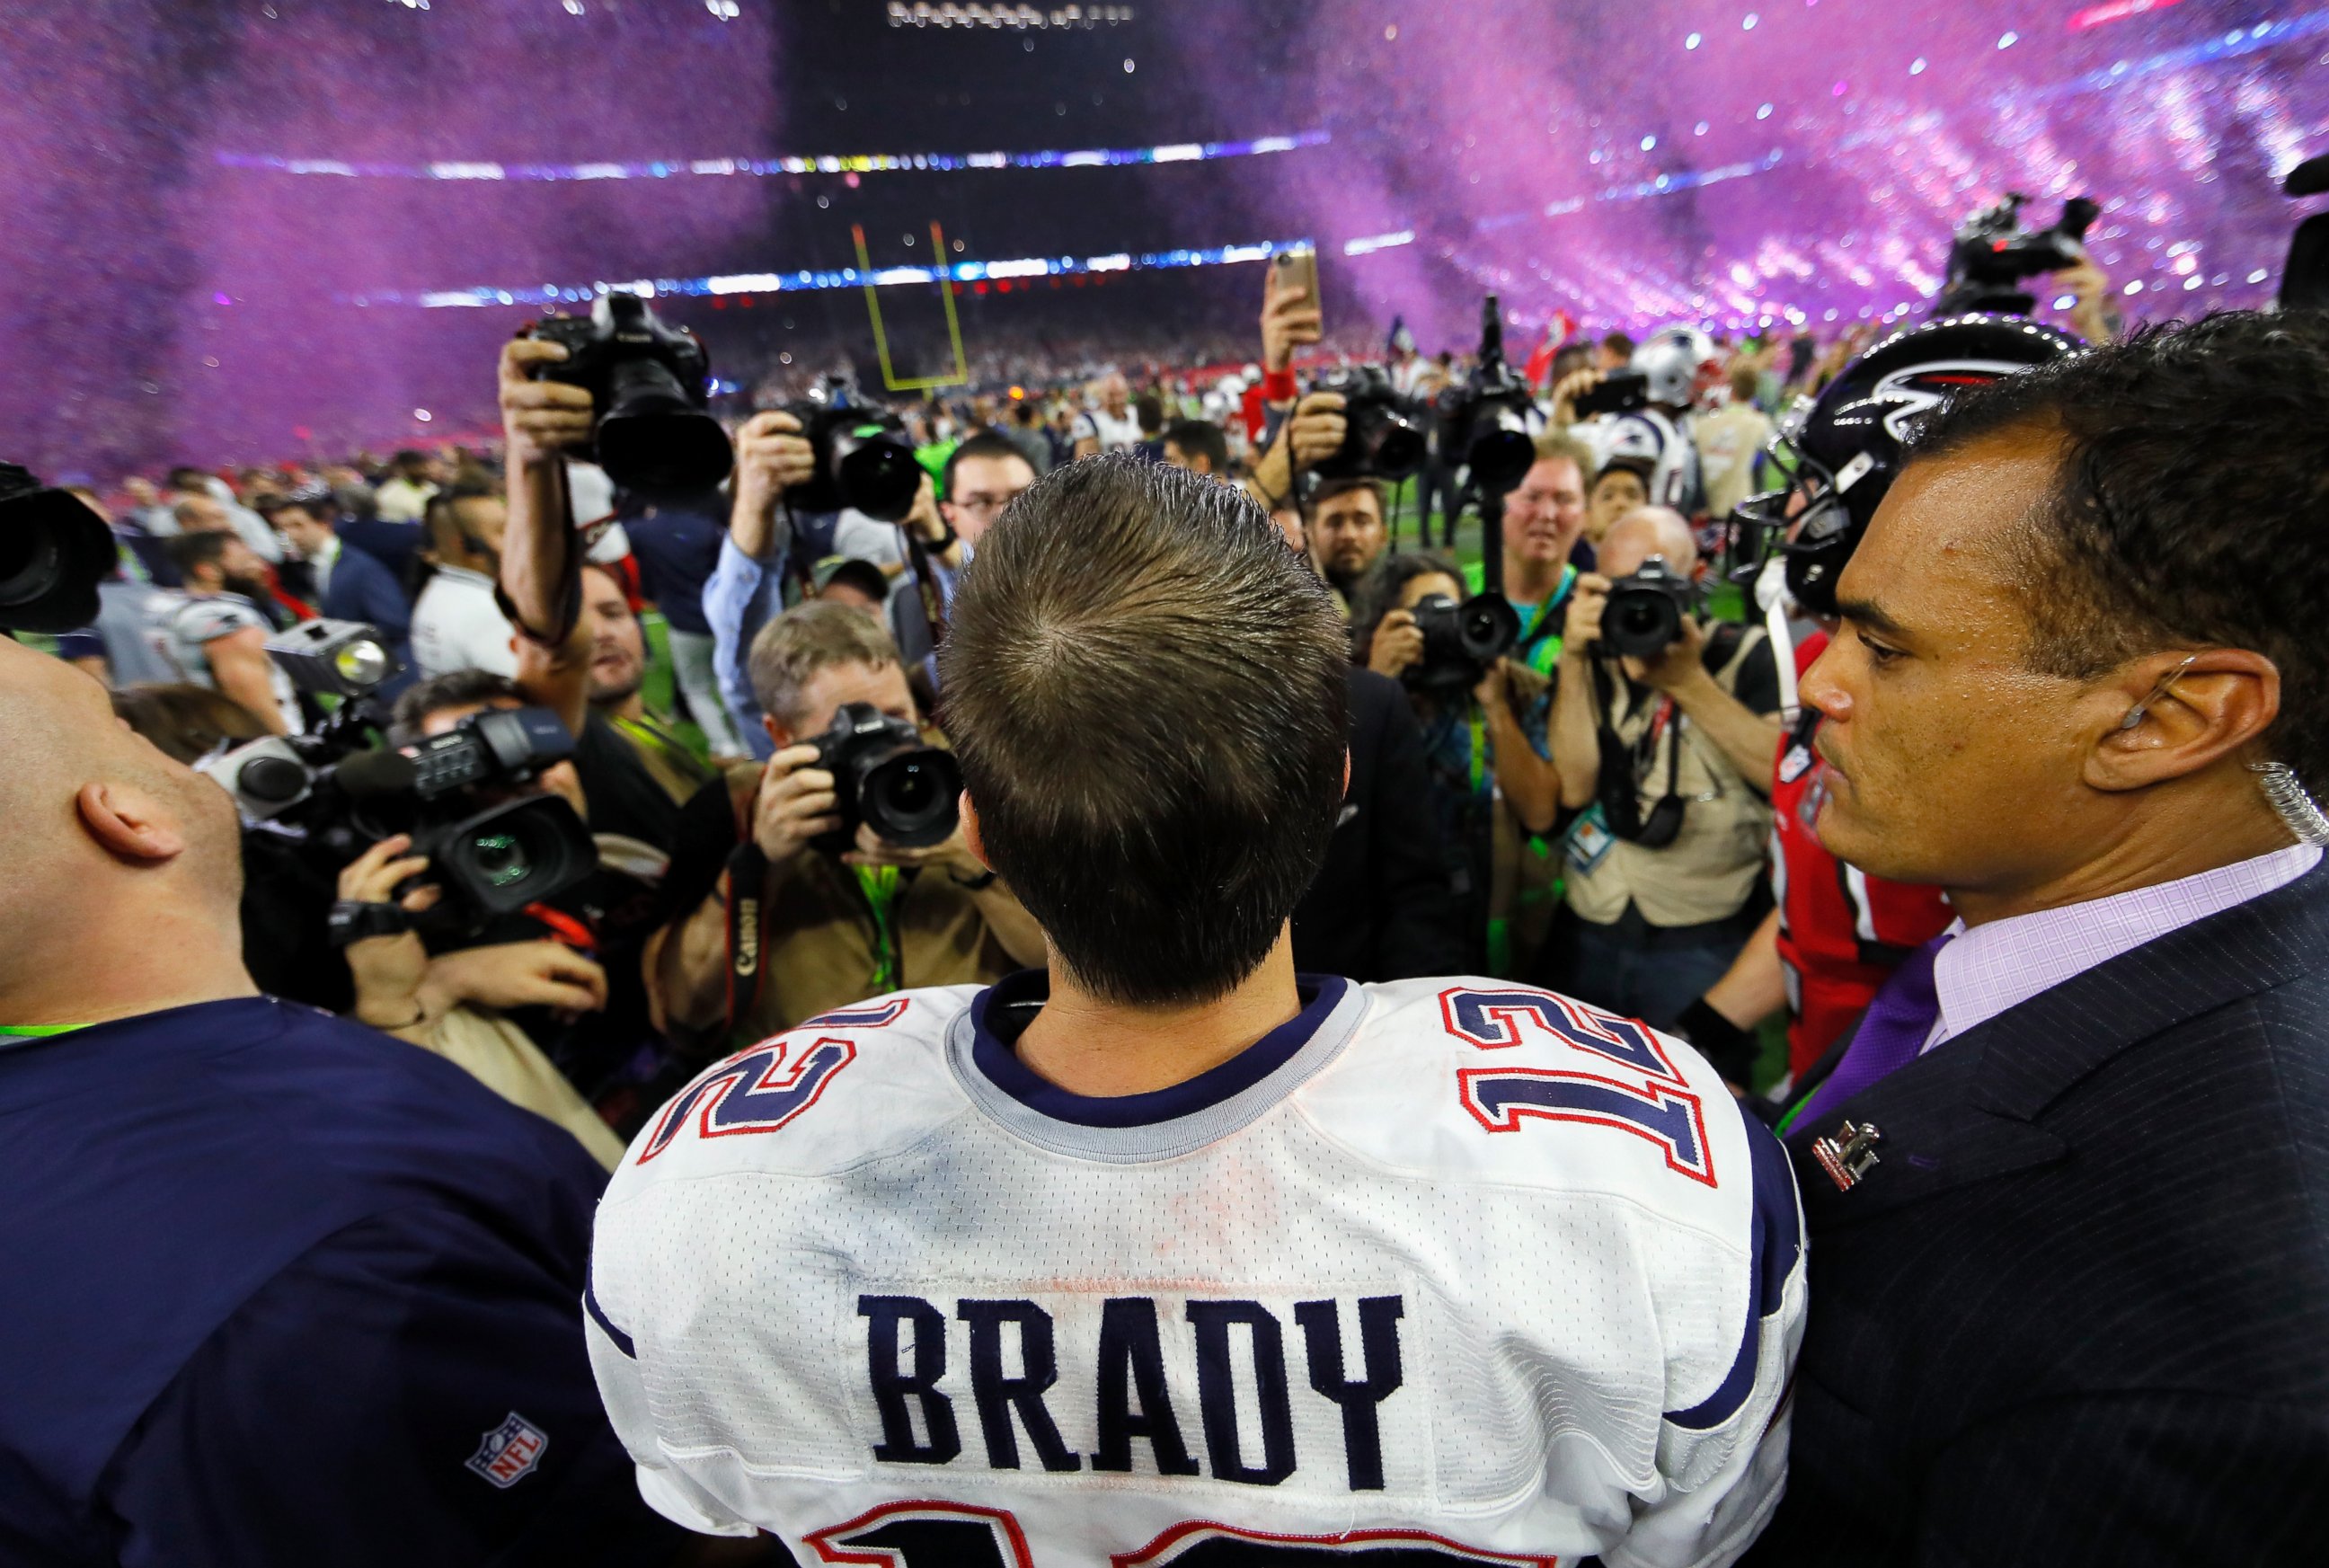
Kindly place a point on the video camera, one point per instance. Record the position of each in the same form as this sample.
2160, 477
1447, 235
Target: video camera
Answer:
1645, 611
1381, 439
649, 385
863, 460
1460, 641
885, 776
54, 553
1992, 253
334, 793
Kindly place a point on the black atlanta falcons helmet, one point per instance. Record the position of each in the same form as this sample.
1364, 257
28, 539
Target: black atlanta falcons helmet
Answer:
1845, 446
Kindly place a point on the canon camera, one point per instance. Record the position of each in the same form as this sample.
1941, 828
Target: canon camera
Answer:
649, 386
887, 778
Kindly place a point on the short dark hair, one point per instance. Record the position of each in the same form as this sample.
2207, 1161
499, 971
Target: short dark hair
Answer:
1618, 342
985, 443
1201, 437
188, 551
1377, 593
2189, 507
453, 689
1146, 687
1328, 489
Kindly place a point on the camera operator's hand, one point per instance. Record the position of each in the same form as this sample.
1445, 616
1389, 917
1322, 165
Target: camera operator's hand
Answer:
1581, 627
772, 456
540, 419
1677, 666
953, 856
797, 803
388, 971
1494, 687
1567, 391
537, 974
1317, 430
1289, 317
1398, 643
923, 522
2094, 314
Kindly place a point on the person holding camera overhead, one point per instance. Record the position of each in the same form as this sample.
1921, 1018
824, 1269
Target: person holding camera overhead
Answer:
851, 877
1483, 735
1664, 731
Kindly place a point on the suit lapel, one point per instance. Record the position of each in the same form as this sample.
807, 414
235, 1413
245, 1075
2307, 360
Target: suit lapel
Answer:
1969, 1110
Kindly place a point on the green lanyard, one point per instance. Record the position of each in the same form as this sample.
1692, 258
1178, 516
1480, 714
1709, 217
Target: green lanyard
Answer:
881, 885
38, 1031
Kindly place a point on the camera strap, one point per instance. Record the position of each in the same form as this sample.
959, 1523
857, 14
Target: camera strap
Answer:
926, 584
748, 881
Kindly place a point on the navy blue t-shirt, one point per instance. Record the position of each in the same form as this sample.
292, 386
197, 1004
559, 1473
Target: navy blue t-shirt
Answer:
283, 1289
677, 544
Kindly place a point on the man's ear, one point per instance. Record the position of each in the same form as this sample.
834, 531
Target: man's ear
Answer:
778, 733
2217, 703
1346, 770
129, 823
970, 832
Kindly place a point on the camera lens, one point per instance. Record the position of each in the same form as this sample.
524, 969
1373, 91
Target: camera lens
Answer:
913, 800
500, 858
1398, 449
876, 472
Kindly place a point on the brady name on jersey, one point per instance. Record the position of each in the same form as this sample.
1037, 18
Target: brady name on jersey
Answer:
1450, 1264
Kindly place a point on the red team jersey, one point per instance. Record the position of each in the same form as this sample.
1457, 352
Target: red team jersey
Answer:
1841, 931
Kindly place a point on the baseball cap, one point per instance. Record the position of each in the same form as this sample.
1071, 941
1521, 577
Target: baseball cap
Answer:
861, 575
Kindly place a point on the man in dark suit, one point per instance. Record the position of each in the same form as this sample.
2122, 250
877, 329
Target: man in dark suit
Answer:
1382, 907
342, 581
2068, 1182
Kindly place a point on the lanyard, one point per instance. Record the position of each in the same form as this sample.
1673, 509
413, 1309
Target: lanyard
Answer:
1479, 746
39, 1031
881, 887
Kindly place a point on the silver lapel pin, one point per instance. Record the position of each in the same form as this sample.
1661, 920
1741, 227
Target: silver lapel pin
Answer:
1847, 1153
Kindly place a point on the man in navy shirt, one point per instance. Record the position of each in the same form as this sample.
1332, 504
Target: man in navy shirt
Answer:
280, 1290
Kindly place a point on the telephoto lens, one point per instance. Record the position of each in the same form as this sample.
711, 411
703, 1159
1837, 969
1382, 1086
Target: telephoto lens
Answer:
887, 776
54, 553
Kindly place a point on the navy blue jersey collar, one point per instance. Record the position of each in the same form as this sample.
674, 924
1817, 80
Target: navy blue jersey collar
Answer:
993, 1056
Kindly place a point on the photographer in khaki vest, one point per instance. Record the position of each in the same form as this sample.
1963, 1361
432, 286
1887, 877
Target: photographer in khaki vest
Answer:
1664, 730
814, 909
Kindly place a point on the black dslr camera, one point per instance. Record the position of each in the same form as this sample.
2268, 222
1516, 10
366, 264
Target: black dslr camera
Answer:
1381, 439
886, 777
1992, 253
1460, 641
863, 460
649, 385
54, 553
1643, 615
1484, 424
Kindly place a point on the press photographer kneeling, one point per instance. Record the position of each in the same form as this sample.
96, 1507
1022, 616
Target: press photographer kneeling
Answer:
851, 877
1663, 728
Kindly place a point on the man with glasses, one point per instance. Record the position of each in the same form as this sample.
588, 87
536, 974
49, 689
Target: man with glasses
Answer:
983, 475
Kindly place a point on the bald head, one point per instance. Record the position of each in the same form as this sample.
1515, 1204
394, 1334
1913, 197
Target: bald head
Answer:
121, 849
1645, 532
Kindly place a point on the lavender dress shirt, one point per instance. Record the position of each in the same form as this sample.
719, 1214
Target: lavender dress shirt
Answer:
1987, 969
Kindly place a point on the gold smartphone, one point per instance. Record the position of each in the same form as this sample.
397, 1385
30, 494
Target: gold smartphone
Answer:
1297, 271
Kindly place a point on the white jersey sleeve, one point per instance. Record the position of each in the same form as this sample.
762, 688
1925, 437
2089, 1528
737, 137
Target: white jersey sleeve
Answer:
1454, 1266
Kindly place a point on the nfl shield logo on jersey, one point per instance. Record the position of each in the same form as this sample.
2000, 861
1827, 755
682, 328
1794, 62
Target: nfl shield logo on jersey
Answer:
507, 1454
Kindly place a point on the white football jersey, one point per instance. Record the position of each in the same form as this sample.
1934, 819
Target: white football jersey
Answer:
1452, 1269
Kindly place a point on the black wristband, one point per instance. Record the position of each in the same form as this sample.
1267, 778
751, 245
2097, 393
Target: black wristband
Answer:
1729, 1050
984, 879
351, 922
